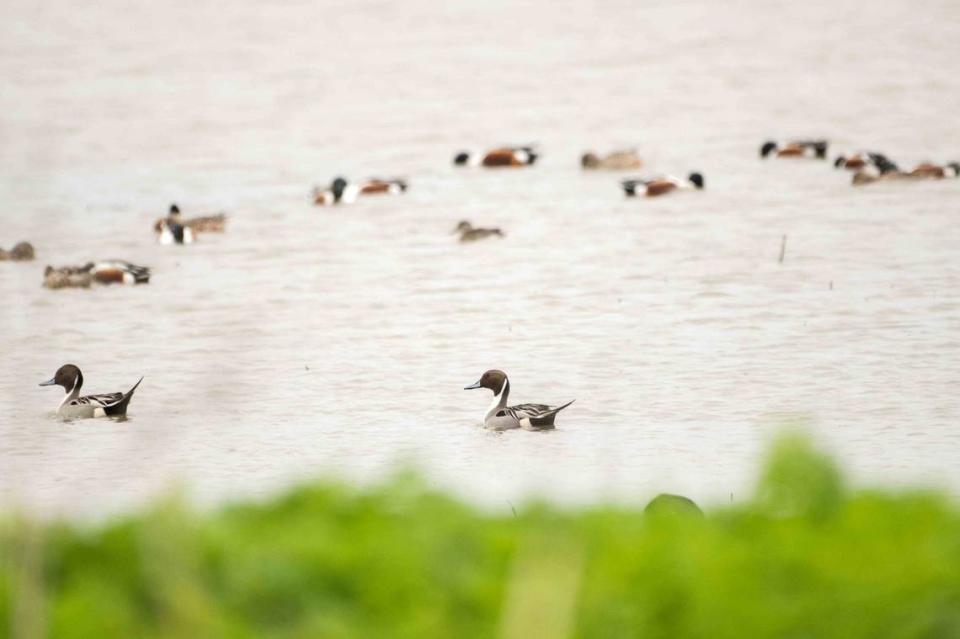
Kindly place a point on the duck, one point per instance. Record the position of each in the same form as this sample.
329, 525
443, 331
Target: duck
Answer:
75, 407
21, 252
928, 170
614, 161
923, 171
376, 186
860, 160
525, 416
106, 272
500, 157
343, 192
795, 149
469, 233
652, 187
173, 229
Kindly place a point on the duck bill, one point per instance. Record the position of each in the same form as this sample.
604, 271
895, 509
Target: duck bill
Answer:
472, 386
49, 382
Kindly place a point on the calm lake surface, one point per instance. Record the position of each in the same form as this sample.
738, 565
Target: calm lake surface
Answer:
314, 341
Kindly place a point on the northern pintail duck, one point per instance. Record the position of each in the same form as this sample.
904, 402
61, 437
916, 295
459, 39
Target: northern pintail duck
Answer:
615, 161
502, 417
652, 187
795, 149
343, 192
499, 157
469, 233
21, 252
173, 229
108, 272
75, 407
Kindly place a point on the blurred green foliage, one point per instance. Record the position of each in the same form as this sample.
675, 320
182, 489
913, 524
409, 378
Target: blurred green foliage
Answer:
805, 557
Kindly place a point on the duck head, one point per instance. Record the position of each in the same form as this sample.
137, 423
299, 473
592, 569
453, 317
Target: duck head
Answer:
461, 159
840, 162
767, 148
526, 155
492, 379
22, 251
337, 188
68, 376
589, 161
463, 227
820, 149
952, 169
696, 179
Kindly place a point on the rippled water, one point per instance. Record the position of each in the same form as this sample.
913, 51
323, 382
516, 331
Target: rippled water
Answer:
312, 341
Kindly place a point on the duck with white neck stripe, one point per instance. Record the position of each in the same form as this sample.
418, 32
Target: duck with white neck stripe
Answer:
502, 417
75, 407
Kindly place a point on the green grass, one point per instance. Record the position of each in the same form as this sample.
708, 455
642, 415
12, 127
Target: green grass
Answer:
805, 557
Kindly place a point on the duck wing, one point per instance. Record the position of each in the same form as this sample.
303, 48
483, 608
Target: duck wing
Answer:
101, 400
521, 411
140, 274
538, 416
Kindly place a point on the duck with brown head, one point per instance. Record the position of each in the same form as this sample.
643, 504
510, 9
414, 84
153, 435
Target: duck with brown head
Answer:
75, 407
502, 417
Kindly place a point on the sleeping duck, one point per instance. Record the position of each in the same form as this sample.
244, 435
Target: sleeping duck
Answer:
614, 161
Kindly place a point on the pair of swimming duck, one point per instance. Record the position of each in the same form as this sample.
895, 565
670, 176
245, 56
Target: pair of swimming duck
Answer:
173, 229
498, 417
21, 252
869, 166
514, 156
341, 191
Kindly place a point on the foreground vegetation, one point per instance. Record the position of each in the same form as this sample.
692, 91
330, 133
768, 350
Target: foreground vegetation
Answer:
804, 558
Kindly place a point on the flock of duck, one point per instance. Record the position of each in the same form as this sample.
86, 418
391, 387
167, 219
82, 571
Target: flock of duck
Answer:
868, 167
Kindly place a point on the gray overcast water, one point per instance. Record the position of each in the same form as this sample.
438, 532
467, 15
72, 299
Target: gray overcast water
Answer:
336, 341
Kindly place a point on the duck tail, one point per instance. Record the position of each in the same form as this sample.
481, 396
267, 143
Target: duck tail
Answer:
545, 420
119, 408
560, 408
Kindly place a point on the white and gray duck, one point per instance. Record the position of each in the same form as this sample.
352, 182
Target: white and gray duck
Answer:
502, 417
75, 407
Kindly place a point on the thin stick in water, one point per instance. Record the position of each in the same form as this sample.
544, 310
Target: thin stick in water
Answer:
783, 248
